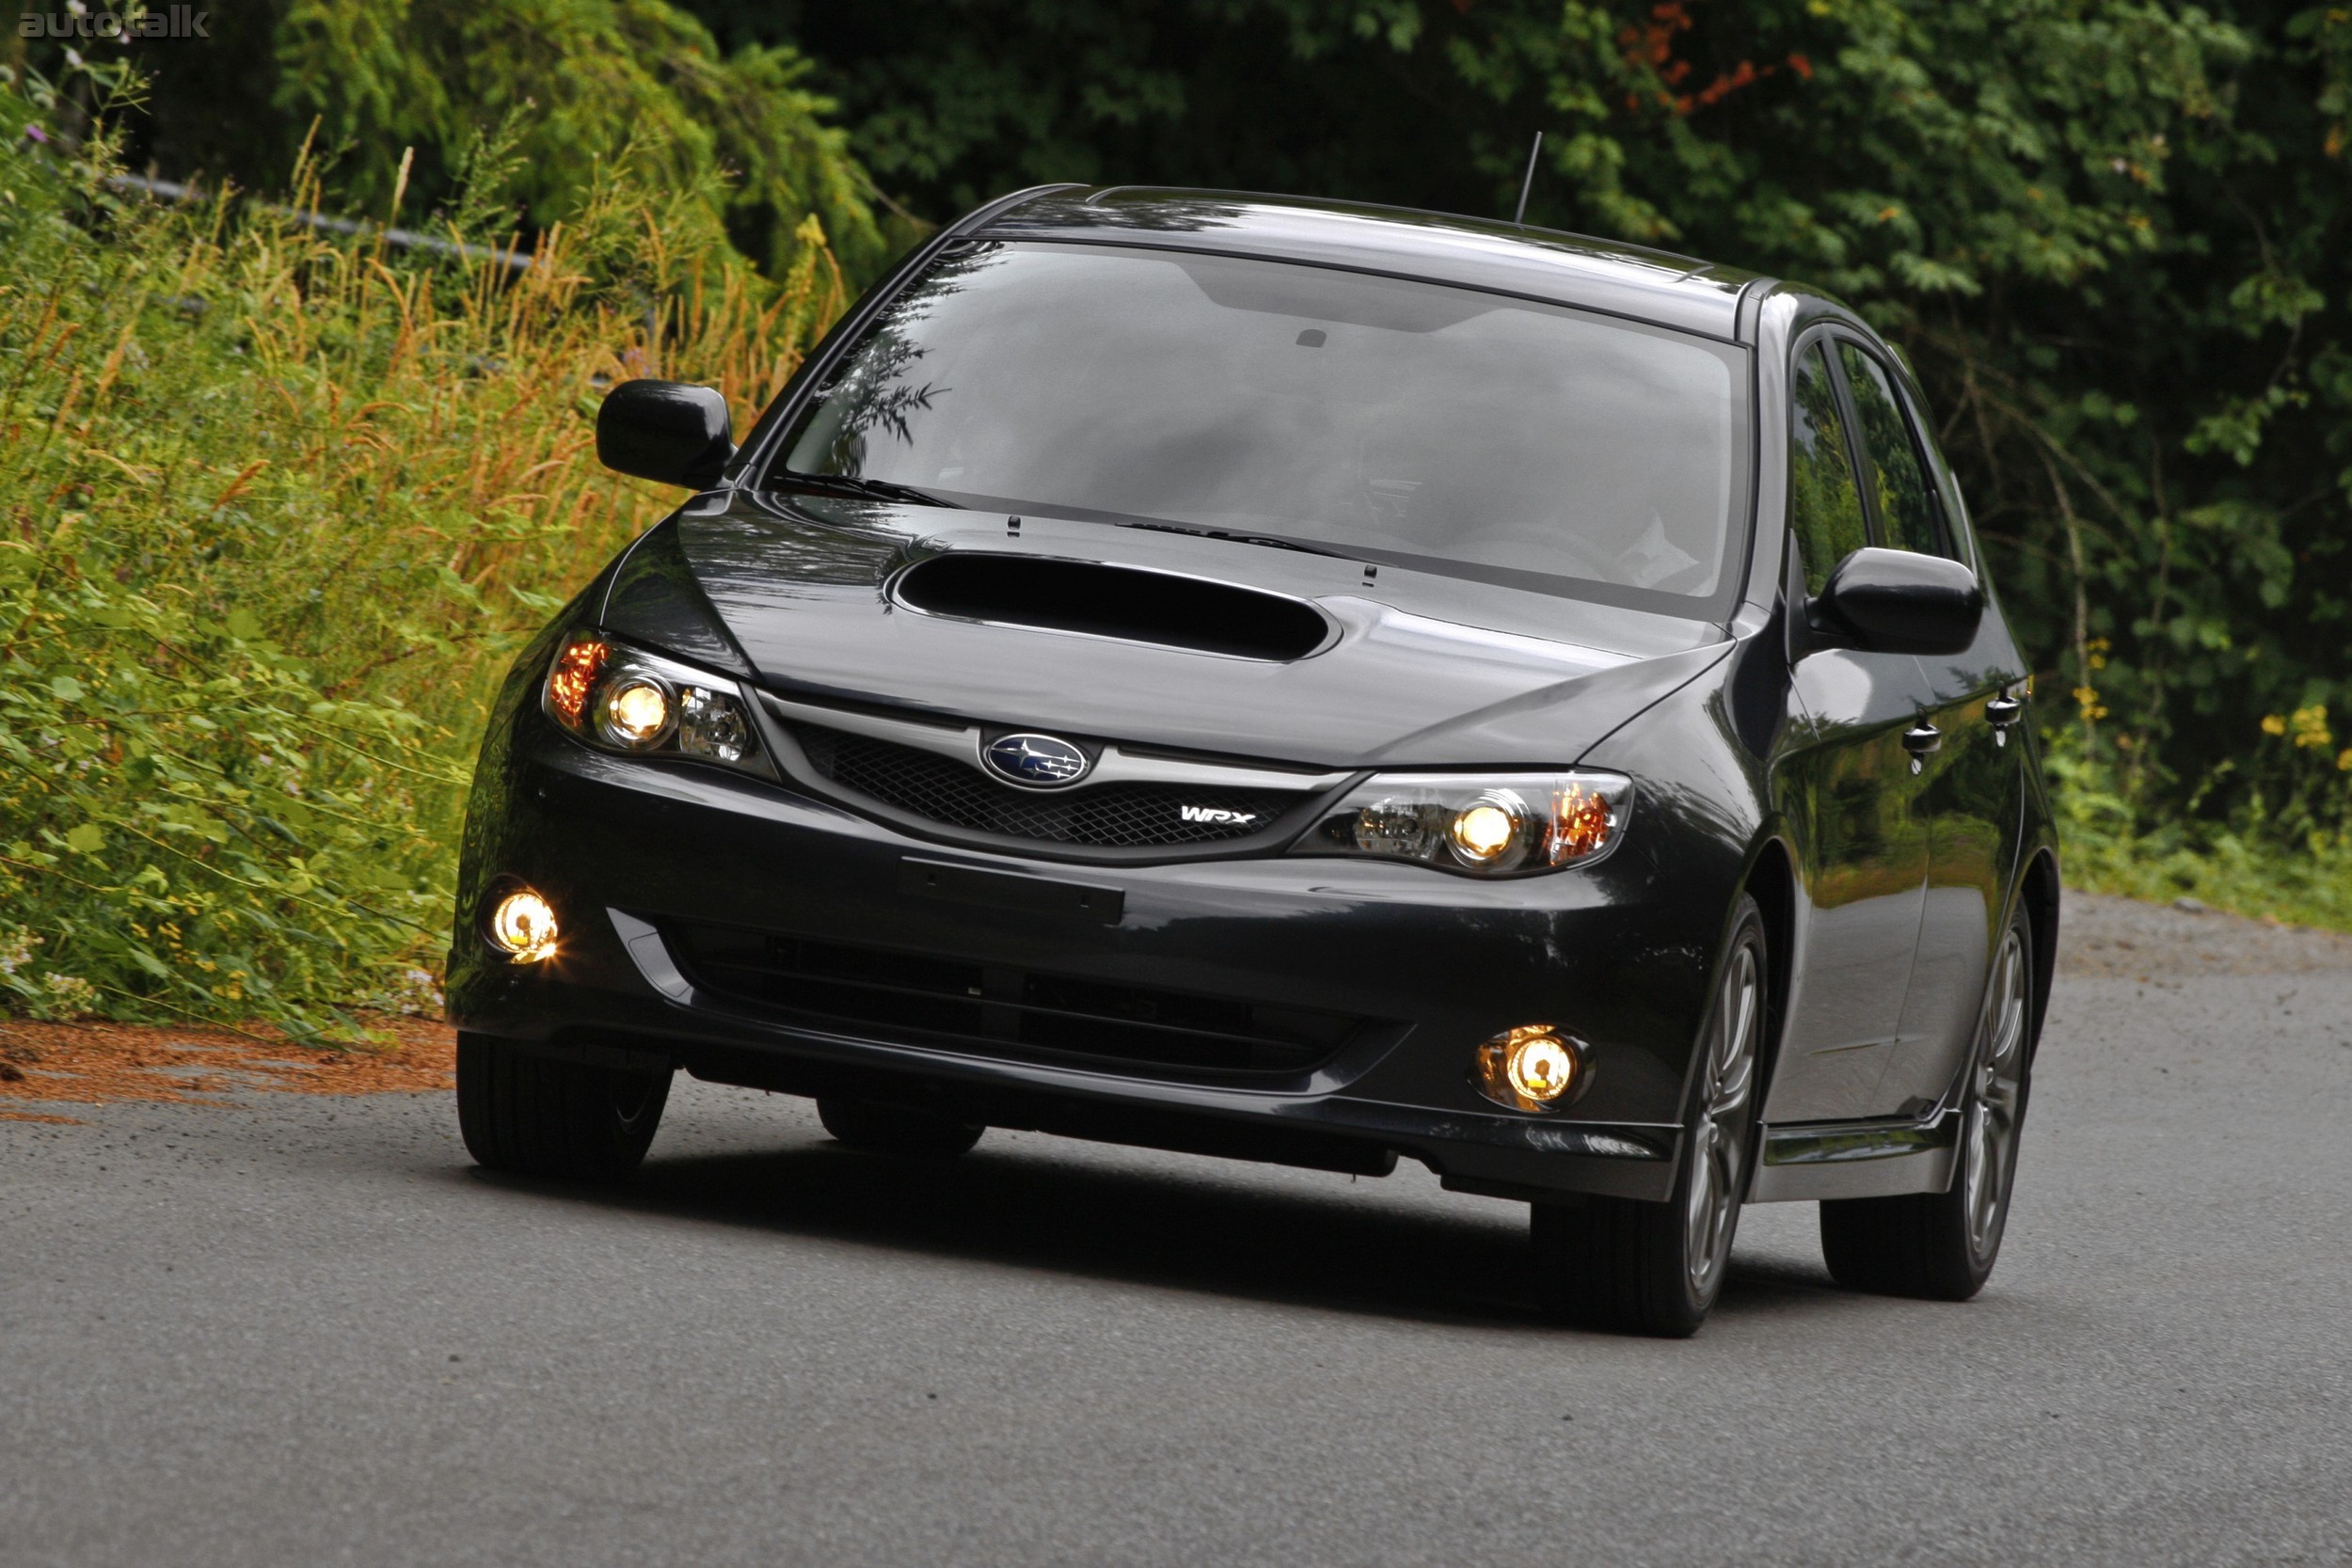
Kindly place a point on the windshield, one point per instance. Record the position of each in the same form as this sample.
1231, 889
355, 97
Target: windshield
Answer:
1396, 420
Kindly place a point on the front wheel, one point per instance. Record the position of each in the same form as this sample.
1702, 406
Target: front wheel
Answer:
544, 1117
1942, 1246
1656, 1268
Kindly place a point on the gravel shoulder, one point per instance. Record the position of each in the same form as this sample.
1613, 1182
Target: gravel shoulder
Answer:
2100, 937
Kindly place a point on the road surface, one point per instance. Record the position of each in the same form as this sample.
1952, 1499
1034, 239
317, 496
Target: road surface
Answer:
304, 1330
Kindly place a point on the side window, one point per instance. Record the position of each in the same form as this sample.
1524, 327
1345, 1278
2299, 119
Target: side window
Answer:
1906, 506
1949, 504
1825, 507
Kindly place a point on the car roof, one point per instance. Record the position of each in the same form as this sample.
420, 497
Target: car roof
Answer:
1444, 247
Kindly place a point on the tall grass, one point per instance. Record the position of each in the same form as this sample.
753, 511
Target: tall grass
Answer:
276, 509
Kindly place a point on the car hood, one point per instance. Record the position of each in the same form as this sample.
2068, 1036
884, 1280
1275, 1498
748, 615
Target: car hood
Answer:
1425, 669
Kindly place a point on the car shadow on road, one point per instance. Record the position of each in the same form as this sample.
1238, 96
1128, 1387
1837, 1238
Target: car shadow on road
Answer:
1022, 1210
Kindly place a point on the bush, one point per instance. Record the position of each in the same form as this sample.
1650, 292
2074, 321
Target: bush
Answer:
276, 508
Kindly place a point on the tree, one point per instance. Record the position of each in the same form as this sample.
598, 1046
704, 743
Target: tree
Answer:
399, 91
2109, 232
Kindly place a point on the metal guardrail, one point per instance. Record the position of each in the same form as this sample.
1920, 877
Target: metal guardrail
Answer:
173, 190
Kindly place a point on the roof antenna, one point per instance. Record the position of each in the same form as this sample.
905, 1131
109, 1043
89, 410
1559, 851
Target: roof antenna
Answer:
1527, 184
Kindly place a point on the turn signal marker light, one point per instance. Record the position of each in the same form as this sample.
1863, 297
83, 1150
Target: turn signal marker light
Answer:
574, 676
1581, 821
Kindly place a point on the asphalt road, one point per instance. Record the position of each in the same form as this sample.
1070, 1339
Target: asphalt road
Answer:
307, 1331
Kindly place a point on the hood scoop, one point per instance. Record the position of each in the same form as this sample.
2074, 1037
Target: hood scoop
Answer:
1120, 602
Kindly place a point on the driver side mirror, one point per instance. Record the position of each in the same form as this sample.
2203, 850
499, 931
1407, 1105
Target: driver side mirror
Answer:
667, 430
1903, 602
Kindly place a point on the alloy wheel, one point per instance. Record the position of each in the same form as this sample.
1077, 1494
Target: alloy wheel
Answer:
1719, 1140
1997, 1104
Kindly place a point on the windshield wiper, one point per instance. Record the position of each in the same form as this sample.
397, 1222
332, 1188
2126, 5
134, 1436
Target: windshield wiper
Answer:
857, 488
1229, 536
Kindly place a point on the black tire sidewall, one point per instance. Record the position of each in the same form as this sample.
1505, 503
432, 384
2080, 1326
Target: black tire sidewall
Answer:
1747, 918
1966, 1263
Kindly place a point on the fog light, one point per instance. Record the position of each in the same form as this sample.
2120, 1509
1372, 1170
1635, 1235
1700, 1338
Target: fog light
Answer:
523, 927
1532, 1067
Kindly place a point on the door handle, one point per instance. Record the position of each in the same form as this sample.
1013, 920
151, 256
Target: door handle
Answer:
1922, 741
2002, 713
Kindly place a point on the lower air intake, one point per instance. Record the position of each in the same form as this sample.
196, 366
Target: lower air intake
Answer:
1001, 1012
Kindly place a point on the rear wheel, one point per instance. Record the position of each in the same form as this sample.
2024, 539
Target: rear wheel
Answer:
1656, 1268
897, 1129
545, 1116
1943, 1246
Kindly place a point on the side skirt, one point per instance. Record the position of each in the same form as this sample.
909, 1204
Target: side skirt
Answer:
1856, 1159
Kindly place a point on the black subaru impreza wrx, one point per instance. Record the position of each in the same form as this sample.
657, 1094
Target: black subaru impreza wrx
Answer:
1308, 683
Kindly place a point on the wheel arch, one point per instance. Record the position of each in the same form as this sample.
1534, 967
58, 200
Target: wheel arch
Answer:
2038, 891
1771, 880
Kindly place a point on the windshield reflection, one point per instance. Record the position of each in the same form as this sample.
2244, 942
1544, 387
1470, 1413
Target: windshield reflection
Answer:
1278, 402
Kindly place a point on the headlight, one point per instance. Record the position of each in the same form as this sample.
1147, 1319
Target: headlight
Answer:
624, 699
1490, 825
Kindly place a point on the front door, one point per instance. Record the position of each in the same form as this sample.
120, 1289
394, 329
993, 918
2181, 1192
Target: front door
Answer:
1969, 794
1848, 789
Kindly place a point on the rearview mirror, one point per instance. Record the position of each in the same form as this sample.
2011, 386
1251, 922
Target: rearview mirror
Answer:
1903, 602
666, 431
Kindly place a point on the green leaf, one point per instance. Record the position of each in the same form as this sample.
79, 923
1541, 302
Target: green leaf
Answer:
87, 839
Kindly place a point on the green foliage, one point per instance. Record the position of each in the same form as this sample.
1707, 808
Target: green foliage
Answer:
275, 510
2279, 852
584, 78
392, 93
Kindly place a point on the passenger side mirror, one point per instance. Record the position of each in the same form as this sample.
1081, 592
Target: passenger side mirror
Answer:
666, 431
1903, 602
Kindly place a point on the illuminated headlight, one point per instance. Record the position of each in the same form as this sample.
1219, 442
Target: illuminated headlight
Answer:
624, 699
1483, 824
633, 712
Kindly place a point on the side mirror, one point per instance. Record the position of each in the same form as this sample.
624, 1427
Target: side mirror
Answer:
1903, 602
666, 431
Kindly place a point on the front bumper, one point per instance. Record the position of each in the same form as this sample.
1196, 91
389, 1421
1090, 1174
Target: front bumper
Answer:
632, 853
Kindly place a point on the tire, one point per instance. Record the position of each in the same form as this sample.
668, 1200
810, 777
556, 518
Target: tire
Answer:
1652, 1268
543, 1116
1942, 1246
897, 1129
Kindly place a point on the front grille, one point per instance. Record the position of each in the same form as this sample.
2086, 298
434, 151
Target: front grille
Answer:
1104, 816
1004, 1011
